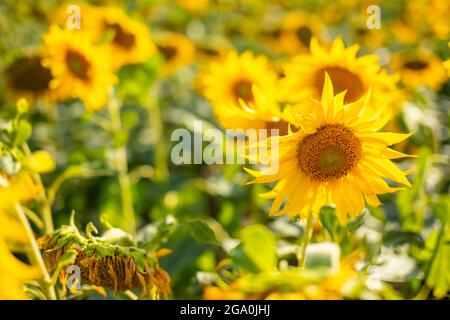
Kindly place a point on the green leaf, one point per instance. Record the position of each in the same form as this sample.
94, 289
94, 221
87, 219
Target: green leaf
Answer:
260, 246
201, 231
355, 223
396, 238
242, 261
439, 273
330, 222
139, 260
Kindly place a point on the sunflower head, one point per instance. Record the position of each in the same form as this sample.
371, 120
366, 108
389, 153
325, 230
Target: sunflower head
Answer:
106, 264
335, 157
298, 28
231, 79
78, 68
305, 74
421, 69
125, 39
176, 49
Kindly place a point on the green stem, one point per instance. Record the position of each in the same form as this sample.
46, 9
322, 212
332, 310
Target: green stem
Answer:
306, 240
121, 165
156, 124
36, 256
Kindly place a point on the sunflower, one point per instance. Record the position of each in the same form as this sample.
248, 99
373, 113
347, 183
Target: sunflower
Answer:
336, 157
127, 41
176, 49
106, 264
289, 284
305, 74
14, 273
231, 79
297, 30
367, 38
406, 32
78, 68
420, 69
26, 76
432, 15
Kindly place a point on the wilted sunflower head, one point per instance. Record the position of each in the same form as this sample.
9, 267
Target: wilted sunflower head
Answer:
336, 157
105, 264
305, 75
231, 79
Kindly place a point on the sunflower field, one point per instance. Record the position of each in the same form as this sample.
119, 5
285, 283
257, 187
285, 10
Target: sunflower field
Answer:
224, 149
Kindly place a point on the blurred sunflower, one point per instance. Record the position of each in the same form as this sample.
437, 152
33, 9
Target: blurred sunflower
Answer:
127, 41
196, 6
290, 284
420, 69
230, 80
430, 14
26, 76
176, 49
78, 69
367, 38
305, 75
14, 273
337, 156
405, 31
297, 30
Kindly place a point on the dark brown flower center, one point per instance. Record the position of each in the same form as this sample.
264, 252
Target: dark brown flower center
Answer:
416, 65
329, 153
304, 34
122, 38
342, 79
28, 74
242, 89
78, 64
168, 52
